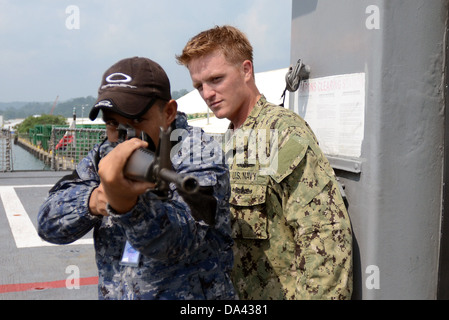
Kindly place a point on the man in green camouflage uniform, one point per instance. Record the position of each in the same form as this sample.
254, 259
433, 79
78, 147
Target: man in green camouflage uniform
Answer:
291, 226
293, 237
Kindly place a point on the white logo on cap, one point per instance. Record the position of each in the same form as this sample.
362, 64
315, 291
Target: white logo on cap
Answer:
124, 78
104, 103
121, 81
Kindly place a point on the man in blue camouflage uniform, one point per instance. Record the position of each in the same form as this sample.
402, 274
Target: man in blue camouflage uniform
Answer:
183, 244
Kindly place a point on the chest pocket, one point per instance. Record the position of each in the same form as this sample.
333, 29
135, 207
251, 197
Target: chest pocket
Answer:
248, 206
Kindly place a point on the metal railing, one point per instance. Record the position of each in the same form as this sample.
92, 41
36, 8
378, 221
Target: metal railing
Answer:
5, 151
67, 147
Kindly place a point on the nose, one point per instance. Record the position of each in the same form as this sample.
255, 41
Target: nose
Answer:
208, 92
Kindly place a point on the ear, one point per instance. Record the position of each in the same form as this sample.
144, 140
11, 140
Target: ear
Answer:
247, 68
170, 112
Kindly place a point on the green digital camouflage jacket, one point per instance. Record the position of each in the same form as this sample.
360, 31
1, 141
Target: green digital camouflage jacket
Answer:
293, 237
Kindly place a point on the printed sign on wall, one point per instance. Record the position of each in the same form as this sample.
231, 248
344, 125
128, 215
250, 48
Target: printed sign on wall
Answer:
334, 107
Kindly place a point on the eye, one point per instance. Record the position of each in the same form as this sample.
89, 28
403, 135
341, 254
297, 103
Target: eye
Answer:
198, 87
112, 123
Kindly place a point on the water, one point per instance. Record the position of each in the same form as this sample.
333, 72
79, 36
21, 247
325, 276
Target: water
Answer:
23, 160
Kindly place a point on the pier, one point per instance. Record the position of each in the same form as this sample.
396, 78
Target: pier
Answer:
61, 148
56, 162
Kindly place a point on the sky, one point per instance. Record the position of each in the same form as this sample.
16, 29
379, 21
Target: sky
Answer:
51, 48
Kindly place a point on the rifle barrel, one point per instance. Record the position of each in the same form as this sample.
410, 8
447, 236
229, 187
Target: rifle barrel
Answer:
188, 184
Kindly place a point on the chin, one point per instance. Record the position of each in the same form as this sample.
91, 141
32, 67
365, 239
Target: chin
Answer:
218, 114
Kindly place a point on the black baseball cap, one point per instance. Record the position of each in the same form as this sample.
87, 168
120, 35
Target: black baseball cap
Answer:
130, 87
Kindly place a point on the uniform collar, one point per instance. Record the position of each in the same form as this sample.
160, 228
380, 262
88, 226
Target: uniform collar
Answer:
254, 114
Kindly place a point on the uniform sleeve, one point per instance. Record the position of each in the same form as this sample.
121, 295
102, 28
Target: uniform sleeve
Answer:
322, 232
64, 216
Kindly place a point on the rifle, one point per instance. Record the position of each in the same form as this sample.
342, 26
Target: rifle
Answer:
156, 167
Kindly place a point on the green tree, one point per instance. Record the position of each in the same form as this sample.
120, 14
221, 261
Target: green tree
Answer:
32, 121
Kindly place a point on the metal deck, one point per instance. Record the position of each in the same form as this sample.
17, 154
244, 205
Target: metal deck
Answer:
30, 268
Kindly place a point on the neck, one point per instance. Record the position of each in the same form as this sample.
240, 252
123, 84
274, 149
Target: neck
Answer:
245, 110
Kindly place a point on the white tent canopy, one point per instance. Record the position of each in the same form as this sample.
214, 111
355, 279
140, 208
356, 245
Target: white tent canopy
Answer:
271, 84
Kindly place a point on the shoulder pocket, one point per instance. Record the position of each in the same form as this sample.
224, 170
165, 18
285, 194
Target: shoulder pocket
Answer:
249, 210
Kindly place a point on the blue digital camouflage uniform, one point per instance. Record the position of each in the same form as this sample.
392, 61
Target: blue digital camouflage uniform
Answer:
181, 258
292, 233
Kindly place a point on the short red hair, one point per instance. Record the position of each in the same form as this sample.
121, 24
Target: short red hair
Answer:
229, 40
